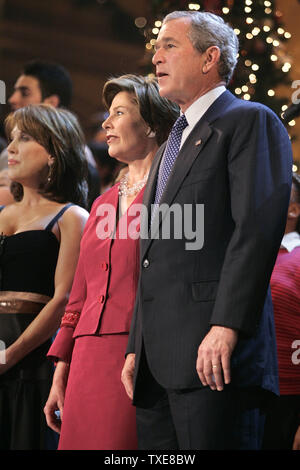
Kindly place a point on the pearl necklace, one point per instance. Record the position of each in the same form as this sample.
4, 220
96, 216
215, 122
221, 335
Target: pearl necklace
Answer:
125, 190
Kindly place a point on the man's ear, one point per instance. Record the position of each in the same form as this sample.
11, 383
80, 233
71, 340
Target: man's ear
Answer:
53, 100
212, 57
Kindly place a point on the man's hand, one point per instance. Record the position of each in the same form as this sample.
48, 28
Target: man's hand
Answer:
214, 353
127, 374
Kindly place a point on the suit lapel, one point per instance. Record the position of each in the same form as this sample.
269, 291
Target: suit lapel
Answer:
191, 149
149, 194
151, 183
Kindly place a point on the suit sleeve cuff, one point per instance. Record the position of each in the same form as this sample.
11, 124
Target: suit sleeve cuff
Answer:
62, 346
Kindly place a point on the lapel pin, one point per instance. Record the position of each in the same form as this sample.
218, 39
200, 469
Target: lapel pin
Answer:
198, 142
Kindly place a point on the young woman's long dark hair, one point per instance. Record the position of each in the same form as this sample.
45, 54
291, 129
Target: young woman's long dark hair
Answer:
59, 132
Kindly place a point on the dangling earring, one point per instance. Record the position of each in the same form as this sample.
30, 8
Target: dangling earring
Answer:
49, 177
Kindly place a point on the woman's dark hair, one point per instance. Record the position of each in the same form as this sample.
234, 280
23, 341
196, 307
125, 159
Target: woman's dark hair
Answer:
158, 112
59, 132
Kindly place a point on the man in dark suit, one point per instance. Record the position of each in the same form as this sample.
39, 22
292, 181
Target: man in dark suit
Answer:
201, 356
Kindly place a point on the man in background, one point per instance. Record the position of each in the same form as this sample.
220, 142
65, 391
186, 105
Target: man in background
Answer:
49, 83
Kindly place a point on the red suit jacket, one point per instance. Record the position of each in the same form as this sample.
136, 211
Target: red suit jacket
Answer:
104, 287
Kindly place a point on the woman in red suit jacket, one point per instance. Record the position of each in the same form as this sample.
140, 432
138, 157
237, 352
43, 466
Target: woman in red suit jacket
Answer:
95, 412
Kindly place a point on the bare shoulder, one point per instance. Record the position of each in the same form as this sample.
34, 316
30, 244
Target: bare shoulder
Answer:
74, 217
9, 210
76, 212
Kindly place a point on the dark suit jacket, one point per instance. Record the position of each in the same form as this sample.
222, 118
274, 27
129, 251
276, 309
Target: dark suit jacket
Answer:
241, 172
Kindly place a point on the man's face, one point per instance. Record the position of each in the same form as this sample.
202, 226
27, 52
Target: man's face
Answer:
26, 91
178, 64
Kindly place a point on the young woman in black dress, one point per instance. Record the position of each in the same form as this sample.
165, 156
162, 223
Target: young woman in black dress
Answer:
39, 247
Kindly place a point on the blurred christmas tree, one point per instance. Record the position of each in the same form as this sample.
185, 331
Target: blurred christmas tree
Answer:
263, 61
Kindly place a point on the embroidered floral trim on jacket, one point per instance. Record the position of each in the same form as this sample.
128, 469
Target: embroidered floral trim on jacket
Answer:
70, 319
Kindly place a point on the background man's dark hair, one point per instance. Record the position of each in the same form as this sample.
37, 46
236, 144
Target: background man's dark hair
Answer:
53, 79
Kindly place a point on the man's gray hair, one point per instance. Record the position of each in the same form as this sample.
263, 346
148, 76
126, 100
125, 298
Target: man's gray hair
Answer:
209, 30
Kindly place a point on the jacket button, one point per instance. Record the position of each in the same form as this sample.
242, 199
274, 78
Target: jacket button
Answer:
104, 266
146, 263
101, 299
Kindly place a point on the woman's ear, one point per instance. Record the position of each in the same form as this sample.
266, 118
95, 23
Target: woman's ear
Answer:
50, 160
151, 134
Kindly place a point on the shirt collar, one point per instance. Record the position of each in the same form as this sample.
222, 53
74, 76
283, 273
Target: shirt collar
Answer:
201, 105
290, 241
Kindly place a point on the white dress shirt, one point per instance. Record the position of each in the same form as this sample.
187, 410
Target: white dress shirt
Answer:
199, 108
195, 112
290, 241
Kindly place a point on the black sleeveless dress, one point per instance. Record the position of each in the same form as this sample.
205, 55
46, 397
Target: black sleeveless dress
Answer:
27, 264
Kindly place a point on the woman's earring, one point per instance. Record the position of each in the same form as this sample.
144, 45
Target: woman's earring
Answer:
49, 177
